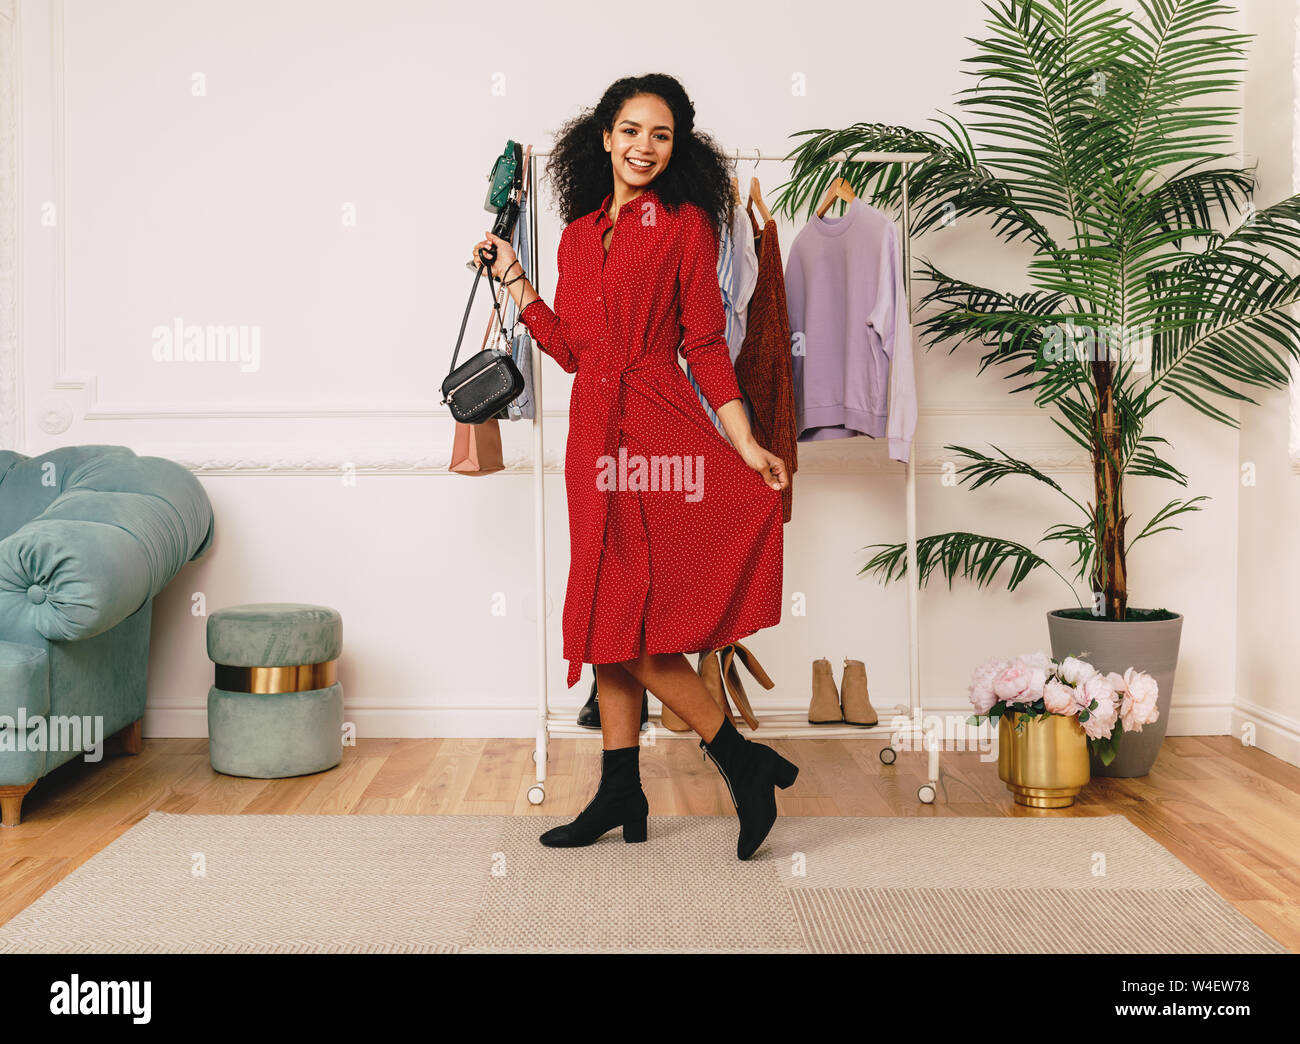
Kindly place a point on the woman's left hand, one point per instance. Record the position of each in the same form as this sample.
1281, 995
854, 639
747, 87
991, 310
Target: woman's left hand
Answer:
768, 465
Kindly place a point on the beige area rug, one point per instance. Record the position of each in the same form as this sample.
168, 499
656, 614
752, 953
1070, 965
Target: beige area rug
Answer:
478, 884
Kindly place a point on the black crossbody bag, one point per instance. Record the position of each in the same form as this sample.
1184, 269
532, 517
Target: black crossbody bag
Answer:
482, 386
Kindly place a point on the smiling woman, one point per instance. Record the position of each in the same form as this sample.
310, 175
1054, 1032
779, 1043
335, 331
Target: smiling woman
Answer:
654, 574
640, 147
642, 142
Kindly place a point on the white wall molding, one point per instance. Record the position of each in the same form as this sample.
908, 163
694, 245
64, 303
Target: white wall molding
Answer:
415, 409
842, 456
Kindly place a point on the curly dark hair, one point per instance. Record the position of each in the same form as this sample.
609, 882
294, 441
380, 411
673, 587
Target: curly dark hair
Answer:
698, 171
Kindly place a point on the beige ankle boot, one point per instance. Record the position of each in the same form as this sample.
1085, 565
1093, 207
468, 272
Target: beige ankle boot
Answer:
853, 694
825, 706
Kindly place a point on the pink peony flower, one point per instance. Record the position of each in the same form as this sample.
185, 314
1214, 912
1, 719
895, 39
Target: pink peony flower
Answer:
982, 696
1059, 698
1039, 659
1075, 672
1036, 664
1013, 683
1102, 719
1138, 706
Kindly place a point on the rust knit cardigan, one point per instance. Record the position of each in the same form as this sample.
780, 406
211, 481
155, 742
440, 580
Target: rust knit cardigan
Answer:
763, 365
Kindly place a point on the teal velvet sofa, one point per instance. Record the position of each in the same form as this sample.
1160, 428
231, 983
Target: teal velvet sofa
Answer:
88, 536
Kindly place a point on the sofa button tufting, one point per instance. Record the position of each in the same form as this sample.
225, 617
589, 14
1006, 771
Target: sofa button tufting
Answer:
36, 593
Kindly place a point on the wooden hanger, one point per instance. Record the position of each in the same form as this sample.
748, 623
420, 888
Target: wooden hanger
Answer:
838, 189
735, 189
756, 197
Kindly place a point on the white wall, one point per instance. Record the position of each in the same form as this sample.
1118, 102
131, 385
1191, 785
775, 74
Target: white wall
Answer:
1267, 704
226, 208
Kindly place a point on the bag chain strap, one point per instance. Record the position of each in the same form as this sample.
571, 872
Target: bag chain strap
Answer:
496, 319
495, 302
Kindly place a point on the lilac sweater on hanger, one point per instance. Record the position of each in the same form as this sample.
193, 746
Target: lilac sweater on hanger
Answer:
853, 365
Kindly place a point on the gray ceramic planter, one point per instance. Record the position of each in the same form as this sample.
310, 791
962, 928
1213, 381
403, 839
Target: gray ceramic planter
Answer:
1112, 645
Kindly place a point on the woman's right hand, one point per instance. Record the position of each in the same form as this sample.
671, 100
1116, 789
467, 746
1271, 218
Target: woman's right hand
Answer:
505, 256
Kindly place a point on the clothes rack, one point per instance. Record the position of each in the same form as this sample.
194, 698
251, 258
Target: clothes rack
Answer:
902, 724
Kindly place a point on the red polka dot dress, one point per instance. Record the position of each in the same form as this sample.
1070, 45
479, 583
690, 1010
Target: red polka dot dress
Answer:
669, 528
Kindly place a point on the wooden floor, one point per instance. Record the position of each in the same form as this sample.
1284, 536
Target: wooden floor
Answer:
1230, 813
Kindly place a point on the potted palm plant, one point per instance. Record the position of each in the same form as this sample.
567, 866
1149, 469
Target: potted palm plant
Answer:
1096, 136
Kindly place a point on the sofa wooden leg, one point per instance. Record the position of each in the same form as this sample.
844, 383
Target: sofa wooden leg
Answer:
133, 737
11, 803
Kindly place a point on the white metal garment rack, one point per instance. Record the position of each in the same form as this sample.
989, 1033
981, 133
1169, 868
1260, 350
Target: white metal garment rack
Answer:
901, 724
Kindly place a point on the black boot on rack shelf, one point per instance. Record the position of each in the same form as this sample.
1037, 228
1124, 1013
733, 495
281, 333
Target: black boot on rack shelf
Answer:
619, 800
589, 713
751, 771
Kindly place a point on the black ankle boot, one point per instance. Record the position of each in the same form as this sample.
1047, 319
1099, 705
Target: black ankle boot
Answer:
750, 770
589, 713
619, 800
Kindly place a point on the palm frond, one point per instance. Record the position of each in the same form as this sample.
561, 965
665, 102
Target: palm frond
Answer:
1035, 98
1175, 55
1012, 324
1144, 462
984, 470
1186, 202
1225, 315
1174, 507
949, 184
1083, 540
972, 557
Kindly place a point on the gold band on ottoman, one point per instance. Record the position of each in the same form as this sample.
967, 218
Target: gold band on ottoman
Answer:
295, 678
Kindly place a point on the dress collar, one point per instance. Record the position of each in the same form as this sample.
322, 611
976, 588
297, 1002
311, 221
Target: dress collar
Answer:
603, 213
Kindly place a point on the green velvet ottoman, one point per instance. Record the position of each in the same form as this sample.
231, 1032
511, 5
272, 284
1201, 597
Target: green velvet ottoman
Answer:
276, 708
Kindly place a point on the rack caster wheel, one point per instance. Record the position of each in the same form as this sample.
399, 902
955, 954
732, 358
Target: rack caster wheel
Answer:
925, 792
888, 755
536, 794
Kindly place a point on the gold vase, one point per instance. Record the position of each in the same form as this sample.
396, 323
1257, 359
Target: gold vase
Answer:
1045, 763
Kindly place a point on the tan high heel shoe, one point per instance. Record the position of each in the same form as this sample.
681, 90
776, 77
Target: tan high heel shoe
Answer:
671, 721
730, 655
825, 706
711, 672
853, 694
707, 665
